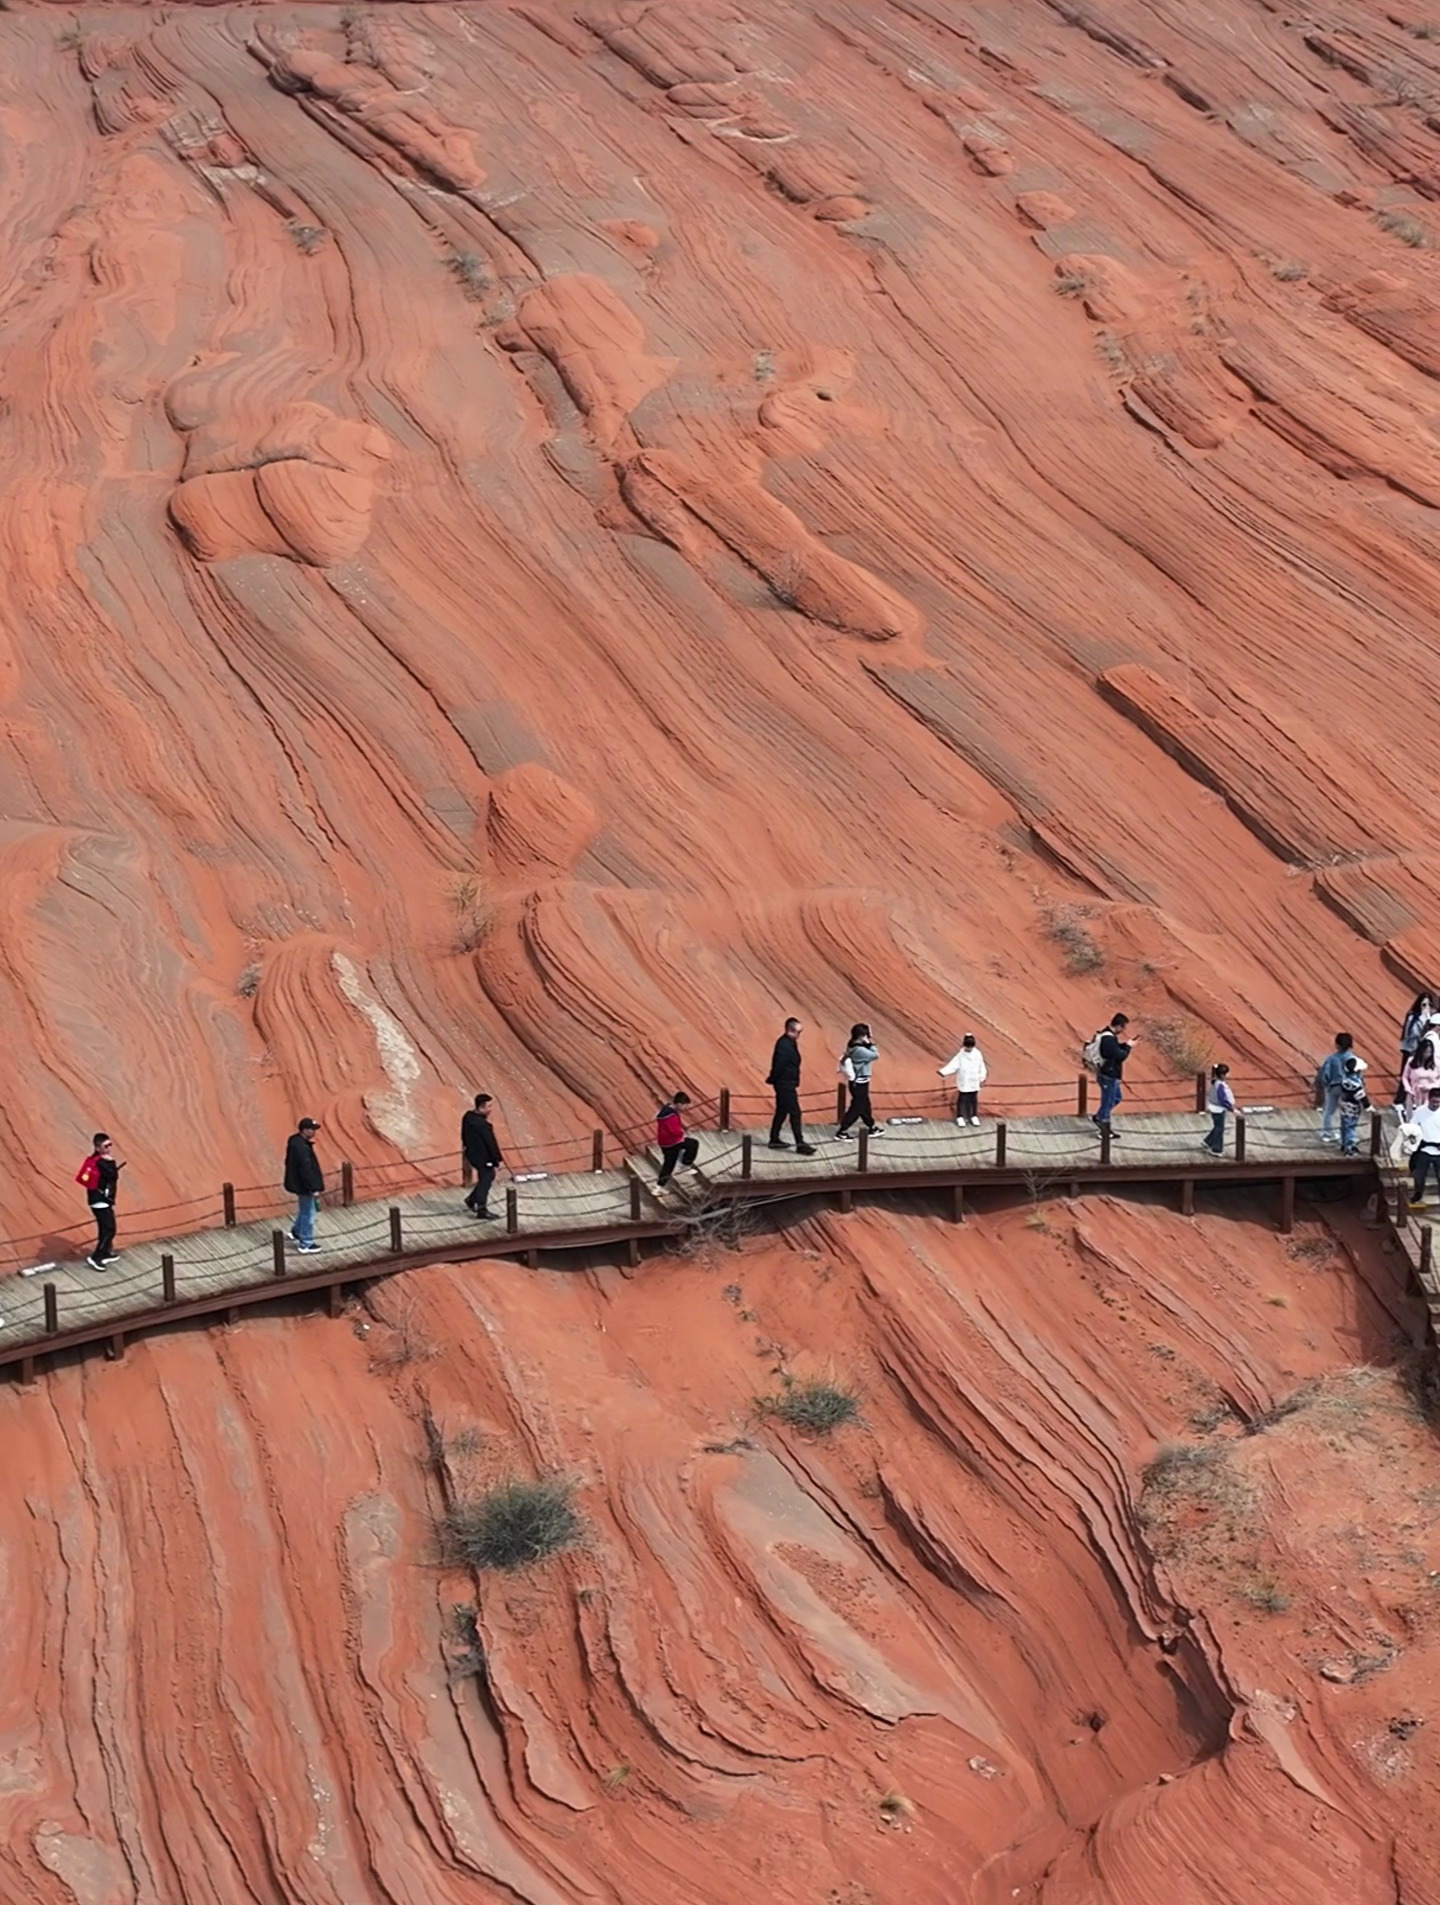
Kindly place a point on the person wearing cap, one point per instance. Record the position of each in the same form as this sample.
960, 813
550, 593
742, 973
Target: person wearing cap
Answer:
305, 1181
482, 1153
968, 1070
1425, 1123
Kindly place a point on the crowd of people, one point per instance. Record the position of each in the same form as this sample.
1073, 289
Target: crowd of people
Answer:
1340, 1087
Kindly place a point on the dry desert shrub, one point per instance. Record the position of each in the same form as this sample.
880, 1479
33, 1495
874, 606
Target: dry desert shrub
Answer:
1404, 226
1067, 926
468, 270
514, 1525
814, 1407
306, 238
1186, 1046
473, 918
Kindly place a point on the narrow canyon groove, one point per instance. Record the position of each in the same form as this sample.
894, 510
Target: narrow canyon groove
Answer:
538, 539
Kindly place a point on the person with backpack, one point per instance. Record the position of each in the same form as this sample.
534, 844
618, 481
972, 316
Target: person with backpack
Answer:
1220, 1104
1424, 1128
482, 1153
305, 1182
1329, 1078
1417, 1019
784, 1080
856, 1063
967, 1068
100, 1177
675, 1147
1110, 1049
1353, 1101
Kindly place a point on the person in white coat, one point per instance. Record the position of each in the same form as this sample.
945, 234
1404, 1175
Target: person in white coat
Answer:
967, 1068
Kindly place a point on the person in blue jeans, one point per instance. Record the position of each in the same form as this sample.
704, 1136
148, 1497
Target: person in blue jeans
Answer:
1115, 1048
1330, 1079
305, 1181
1220, 1104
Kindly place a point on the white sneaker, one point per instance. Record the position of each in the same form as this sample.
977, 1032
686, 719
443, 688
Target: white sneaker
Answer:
960, 1121
974, 1121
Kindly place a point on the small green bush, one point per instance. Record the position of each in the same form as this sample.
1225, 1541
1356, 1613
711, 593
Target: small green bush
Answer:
512, 1526
815, 1408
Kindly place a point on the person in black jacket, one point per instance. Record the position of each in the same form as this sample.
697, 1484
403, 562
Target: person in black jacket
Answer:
482, 1153
784, 1080
305, 1181
1116, 1043
100, 1175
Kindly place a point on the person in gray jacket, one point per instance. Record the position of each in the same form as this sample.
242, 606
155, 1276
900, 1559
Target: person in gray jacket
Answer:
855, 1067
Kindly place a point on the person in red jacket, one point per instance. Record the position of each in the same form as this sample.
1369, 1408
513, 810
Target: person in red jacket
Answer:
675, 1147
100, 1176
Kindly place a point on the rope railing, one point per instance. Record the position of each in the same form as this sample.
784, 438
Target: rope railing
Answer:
608, 1147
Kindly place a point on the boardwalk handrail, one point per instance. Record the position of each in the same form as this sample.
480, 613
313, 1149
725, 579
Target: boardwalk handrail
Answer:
230, 1203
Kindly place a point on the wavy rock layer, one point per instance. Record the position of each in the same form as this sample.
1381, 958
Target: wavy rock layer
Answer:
536, 541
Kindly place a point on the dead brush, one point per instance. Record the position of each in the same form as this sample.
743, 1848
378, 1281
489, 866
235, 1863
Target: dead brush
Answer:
1068, 927
405, 1342
1185, 1045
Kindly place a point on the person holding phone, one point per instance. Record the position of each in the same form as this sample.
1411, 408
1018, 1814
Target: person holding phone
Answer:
100, 1177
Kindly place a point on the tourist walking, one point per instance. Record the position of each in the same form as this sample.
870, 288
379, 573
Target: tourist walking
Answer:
784, 1080
1220, 1104
1422, 1070
967, 1068
1353, 1101
1411, 1033
100, 1176
1426, 1156
305, 1181
1115, 1045
1328, 1079
856, 1064
482, 1153
675, 1147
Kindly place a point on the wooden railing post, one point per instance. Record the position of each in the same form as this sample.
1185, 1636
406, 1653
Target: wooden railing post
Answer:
597, 1150
839, 1102
864, 1160
397, 1240
52, 1311
1239, 1137
1377, 1123
634, 1200
277, 1252
1200, 1091
347, 1181
167, 1279
1427, 1249
747, 1160
227, 1199
467, 1175
512, 1209
1402, 1205
1000, 1144
1105, 1142
1082, 1095
724, 1107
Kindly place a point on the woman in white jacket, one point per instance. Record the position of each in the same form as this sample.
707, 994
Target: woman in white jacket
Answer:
968, 1070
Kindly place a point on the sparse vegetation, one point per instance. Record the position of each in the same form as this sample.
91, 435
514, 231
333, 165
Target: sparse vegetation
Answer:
306, 238
1185, 1046
1037, 1220
815, 1407
1265, 1593
473, 918
1067, 926
895, 1808
1289, 1405
469, 272
404, 1342
70, 37
1072, 284
1287, 270
721, 1224
248, 984
512, 1526
764, 366
618, 1776
1404, 226
1427, 30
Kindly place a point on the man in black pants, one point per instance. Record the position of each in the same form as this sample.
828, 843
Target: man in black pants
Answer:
100, 1175
482, 1153
784, 1079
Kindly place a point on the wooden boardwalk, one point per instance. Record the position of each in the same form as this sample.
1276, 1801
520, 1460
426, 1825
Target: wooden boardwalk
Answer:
223, 1269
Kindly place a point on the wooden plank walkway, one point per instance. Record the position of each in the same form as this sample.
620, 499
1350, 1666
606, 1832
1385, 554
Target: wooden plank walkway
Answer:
223, 1269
